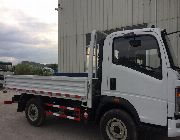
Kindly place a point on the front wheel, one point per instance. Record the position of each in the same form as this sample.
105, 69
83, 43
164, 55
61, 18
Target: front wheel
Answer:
117, 125
35, 113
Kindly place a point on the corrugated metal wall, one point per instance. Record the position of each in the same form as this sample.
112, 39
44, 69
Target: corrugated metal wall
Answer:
79, 17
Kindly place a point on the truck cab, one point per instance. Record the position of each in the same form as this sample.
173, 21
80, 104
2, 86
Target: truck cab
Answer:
140, 67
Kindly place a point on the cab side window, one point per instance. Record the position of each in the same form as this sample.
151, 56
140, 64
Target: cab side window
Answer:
140, 53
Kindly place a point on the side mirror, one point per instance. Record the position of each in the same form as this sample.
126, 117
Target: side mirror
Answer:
135, 43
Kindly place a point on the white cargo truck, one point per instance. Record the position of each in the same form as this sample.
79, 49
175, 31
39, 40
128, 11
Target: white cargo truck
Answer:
132, 82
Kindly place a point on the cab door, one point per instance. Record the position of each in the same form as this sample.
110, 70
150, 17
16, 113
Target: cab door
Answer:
133, 70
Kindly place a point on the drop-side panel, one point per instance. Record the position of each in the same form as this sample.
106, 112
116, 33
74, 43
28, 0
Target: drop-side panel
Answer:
64, 86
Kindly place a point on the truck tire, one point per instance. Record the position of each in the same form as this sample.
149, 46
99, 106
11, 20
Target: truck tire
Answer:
117, 125
35, 113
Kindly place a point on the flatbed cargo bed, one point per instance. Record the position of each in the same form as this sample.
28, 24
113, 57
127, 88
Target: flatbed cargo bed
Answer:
56, 86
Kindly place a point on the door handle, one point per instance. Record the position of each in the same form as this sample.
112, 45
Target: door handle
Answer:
112, 83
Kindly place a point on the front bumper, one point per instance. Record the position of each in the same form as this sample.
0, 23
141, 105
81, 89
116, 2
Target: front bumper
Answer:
173, 128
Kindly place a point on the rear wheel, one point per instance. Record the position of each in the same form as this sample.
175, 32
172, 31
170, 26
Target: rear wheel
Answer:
117, 125
35, 113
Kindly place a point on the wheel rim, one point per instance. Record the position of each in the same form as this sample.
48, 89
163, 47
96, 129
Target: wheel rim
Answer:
33, 112
116, 129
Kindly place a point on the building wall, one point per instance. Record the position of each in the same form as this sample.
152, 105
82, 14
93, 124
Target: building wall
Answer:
79, 17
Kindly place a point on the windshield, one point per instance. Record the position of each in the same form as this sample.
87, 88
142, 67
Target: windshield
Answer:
172, 57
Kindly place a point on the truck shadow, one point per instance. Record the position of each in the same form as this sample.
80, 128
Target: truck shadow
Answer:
156, 137
89, 131
73, 130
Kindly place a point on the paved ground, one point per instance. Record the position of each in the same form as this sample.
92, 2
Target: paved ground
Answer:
13, 126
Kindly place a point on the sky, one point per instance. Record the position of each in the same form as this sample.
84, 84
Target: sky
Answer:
28, 31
